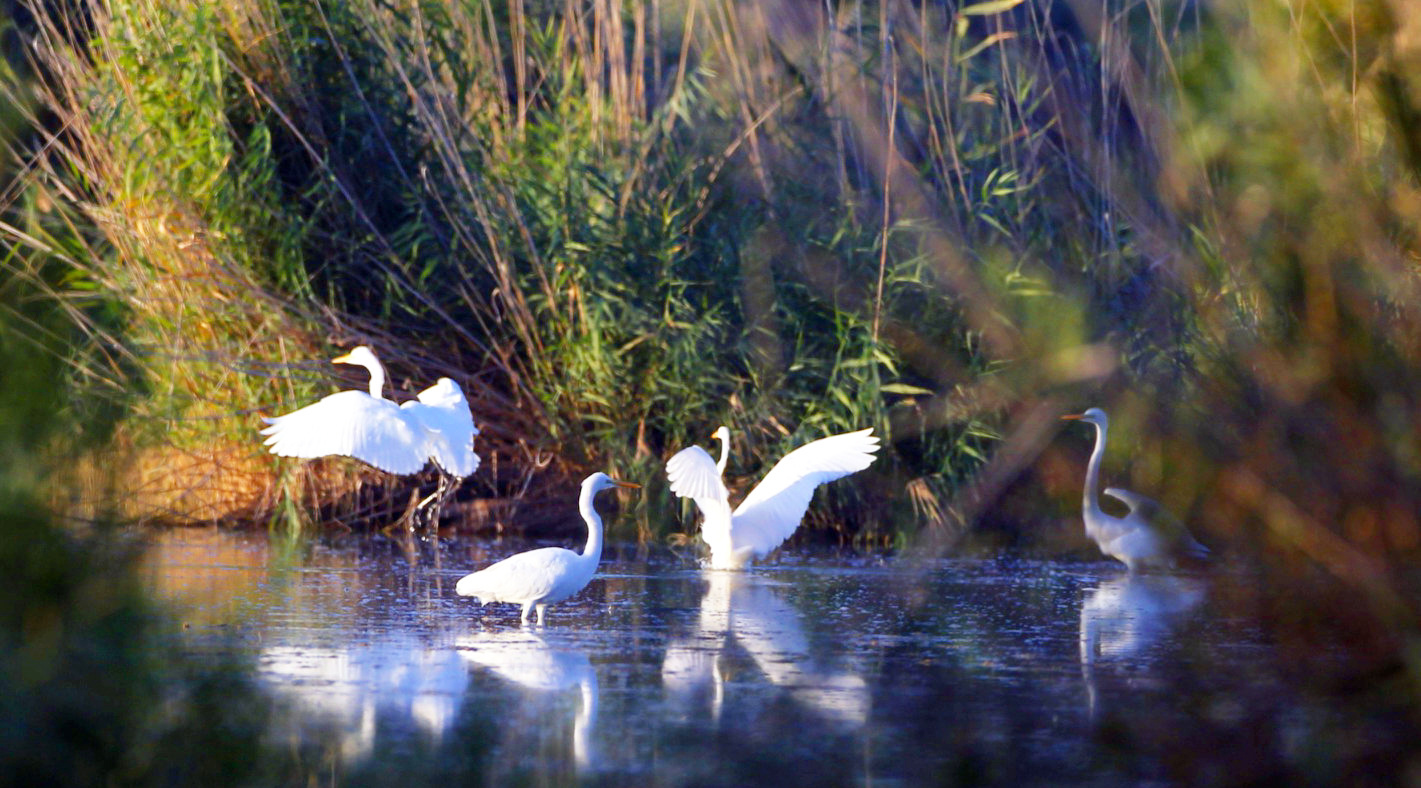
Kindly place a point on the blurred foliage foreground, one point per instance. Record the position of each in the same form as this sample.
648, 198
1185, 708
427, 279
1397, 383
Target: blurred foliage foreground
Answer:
618, 224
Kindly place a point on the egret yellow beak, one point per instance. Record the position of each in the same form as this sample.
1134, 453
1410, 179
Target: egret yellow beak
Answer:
341, 359
1076, 417
628, 485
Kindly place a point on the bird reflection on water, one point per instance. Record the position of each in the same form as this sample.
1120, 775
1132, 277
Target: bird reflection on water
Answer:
543, 668
344, 689
1123, 618
749, 612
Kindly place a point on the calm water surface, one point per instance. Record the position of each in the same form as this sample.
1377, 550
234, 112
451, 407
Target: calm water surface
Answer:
817, 670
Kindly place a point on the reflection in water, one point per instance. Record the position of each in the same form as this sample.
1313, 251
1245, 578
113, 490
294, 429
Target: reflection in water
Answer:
824, 674
689, 672
342, 689
1124, 617
205, 573
747, 610
542, 668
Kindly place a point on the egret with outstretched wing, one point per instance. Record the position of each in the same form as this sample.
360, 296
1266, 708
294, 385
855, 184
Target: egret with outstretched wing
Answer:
772, 511
397, 439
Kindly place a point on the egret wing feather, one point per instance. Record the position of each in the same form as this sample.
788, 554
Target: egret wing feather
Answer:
1160, 519
444, 413
1141, 505
772, 511
445, 393
352, 424
526, 576
693, 475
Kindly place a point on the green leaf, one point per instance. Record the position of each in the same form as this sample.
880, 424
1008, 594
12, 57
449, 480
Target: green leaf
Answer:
990, 7
904, 388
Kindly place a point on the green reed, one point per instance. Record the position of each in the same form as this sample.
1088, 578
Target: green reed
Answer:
620, 224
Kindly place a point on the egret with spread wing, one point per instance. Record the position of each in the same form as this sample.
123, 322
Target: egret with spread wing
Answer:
771, 512
394, 438
538, 578
1148, 536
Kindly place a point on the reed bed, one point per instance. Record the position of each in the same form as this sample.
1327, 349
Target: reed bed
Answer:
618, 224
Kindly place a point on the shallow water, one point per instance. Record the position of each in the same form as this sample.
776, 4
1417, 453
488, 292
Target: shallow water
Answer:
816, 670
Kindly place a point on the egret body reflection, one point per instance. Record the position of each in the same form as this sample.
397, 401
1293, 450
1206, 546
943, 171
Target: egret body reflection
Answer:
536, 665
1123, 617
344, 689
748, 611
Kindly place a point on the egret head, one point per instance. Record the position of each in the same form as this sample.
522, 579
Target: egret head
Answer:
1094, 416
360, 356
600, 481
722, 434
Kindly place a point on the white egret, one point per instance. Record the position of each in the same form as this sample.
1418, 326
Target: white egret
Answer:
771, 512
538, 578
394, 438
1148, 536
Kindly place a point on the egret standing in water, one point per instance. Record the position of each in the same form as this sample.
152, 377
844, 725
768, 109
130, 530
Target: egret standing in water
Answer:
1145, 538
397, 439
541, 577
771, 512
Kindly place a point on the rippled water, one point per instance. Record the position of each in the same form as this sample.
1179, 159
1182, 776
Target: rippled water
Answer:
816, 670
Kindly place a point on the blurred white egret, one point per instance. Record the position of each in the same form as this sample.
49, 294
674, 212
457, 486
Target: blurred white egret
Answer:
771, 512
394, 438
538, 578
1146, 537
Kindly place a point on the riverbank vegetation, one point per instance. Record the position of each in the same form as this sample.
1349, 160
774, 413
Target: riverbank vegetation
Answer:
620, 224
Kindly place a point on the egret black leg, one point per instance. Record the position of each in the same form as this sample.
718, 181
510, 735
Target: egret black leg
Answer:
434, 503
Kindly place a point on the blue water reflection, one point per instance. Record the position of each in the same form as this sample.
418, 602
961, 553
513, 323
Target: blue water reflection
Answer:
546, 667
818, 670
746, 611
340, 691
1123, 618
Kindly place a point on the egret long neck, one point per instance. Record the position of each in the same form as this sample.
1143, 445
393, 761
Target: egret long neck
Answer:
1091, 500
724, 454
377, 378
593, 550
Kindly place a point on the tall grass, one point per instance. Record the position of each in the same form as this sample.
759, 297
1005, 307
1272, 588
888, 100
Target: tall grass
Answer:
561, 242
619, 224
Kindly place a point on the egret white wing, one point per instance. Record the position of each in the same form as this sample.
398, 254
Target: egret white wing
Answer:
444, 393
517, 578
1139, 504
772, 511
1161, 520
444, 413
353, 424
693, 475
